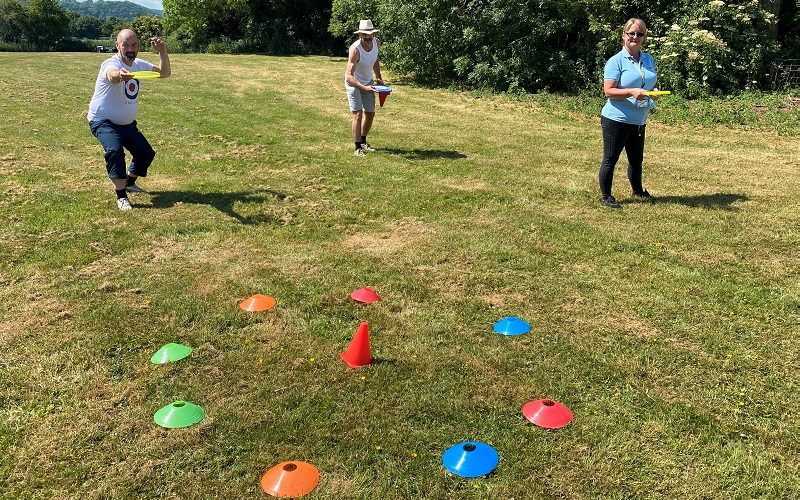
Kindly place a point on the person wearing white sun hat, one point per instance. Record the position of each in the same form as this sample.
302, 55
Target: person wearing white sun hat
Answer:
362, 62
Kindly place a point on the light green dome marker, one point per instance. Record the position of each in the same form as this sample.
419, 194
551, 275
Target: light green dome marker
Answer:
179, 414
170, 352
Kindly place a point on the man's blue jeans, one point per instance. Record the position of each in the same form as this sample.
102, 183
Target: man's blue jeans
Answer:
114, 138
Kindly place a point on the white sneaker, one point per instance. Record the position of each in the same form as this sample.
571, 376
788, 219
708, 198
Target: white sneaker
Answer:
359, 152
124, 205
366, 147
133, 188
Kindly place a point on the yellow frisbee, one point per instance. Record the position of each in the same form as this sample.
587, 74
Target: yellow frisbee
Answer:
146, 75
657, 92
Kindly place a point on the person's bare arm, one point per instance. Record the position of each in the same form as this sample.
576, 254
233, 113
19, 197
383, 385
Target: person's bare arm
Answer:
163, 67
116, 75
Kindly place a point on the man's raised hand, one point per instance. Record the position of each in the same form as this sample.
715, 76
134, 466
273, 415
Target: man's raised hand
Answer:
158, 44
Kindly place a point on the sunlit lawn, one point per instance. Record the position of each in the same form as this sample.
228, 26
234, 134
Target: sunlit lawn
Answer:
669, 328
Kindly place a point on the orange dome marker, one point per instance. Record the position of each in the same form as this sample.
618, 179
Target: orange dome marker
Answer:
358, 354
290, 479
257, 303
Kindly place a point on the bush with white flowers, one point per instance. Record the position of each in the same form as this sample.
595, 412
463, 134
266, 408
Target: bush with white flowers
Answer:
723, 48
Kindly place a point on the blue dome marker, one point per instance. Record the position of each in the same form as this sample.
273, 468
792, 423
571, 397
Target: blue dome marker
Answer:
511, 326
470, 459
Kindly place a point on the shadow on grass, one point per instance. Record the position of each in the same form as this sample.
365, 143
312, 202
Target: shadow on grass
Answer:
221, 201
423, 154
719, 201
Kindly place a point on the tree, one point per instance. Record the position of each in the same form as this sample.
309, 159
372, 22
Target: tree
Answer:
272, 26
146, 27
14, 21
48, 23
84, 26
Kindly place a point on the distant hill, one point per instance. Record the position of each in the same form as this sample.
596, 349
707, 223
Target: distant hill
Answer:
106, 10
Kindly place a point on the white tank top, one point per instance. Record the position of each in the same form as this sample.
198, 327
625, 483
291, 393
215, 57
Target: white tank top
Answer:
366, 61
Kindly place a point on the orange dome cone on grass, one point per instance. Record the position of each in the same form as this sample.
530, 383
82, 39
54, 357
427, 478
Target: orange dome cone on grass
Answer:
290, 479
257, 303
358, 354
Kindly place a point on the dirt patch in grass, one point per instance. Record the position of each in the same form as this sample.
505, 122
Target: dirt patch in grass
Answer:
639, 328
405, 233
462, 184
31, 316
503, 298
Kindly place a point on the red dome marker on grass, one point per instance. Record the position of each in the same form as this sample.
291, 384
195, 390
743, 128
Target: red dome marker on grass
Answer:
547, 413
365, 295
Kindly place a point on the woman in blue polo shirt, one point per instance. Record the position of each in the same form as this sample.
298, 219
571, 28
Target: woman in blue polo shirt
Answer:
627, 76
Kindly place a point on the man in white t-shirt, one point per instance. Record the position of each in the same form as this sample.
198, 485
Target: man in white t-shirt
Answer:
112, 113
361, 63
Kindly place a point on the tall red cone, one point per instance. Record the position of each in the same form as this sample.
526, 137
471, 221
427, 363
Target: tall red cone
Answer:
382, 97
358, 354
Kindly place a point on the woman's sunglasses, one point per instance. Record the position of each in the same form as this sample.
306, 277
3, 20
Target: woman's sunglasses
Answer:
636, 34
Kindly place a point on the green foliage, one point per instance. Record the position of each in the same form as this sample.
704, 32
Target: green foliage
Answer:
44, 25
81, 26
13, 21
74, 45
345, 15
788, 28
272, 26
721, 48
535, 45
147, 27
108, 9
47, 23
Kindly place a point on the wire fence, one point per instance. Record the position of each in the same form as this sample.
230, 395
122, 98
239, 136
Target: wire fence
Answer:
787, 74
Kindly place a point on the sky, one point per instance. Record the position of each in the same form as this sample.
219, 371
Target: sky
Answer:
151, 4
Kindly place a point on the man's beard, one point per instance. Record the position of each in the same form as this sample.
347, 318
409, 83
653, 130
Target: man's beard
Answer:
130, 55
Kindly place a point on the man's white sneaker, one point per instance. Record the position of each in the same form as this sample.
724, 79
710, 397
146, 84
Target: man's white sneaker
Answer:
124, 205
366, 147
133, 188
359, 152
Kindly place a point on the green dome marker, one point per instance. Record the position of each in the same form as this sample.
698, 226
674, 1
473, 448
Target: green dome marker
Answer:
170, 352
179, 414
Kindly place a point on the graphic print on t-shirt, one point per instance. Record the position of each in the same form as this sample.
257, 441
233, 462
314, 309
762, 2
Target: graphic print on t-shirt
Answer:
132, 89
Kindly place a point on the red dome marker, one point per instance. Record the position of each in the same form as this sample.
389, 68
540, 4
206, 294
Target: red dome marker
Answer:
547, 413
365, 295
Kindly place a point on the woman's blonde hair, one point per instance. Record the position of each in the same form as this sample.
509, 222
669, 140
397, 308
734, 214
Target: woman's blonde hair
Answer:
631, 22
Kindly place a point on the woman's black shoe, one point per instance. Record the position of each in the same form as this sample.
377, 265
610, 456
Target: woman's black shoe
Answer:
610, 202
642, 194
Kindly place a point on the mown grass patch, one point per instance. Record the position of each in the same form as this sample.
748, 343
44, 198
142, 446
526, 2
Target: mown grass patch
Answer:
668, 327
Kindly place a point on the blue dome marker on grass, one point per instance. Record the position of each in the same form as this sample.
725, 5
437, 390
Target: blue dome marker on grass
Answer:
470, 459
511, 326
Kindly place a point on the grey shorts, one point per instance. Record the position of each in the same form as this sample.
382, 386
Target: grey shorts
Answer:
360, 100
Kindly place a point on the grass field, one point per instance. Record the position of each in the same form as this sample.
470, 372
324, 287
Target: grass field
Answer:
670, 328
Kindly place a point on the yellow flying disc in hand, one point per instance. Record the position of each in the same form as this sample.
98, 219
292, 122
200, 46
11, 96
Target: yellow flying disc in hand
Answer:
146, 75
657, 92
